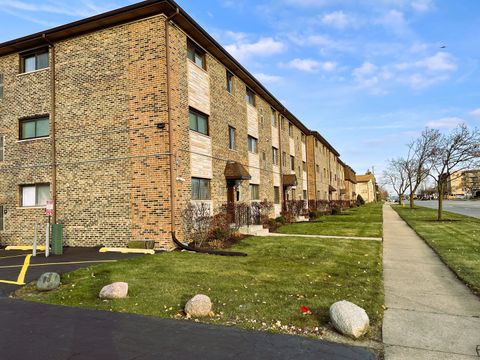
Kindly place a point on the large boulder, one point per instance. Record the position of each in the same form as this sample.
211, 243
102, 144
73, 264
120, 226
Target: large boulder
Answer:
48, 281
117, 290
198, 306
349, 319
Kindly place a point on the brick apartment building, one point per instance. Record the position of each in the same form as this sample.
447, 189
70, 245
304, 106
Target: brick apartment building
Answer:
124, 118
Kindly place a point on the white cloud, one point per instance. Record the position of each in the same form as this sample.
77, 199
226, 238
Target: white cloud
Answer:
419, 74
475, 113
81, 8
445, 123
263, 47
394, 21
310, 65
267, 78
336, 19
422, 5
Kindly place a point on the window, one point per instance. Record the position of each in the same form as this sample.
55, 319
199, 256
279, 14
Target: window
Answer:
316, 143
35, 195
274, 118
276, 195
254, 192
2, 148
34, 128
303, 137
200, 189
196, 54
290, 129
284, 159
35, 60
231, 138
198, 122
229, 82
2, 227
250, 97
252, 144
264, 157
274, 156
1, 86
304, 194
304, 166
292, 162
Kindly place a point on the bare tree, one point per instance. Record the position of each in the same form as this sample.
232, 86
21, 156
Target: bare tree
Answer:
453, 152
417, 164
395, 176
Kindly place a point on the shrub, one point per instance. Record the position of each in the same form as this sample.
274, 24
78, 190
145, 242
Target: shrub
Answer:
196, 222
281, 220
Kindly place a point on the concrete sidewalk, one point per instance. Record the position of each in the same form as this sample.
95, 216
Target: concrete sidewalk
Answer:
430, 313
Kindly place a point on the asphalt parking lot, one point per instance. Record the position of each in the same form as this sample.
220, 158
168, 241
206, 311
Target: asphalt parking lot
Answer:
20, 267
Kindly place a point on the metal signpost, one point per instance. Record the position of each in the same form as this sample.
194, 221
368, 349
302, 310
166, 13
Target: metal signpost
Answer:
48, 212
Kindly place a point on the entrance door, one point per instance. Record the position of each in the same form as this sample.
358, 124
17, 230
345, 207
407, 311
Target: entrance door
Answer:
231, 195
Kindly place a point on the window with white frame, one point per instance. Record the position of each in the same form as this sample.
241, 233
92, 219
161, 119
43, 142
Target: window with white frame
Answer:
35, 195
254, 192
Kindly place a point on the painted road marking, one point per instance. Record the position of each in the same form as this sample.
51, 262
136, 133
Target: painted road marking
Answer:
24, 248
23, 272
59, 263
15, 256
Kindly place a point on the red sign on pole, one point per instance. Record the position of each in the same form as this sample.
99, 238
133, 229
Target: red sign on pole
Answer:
49, 208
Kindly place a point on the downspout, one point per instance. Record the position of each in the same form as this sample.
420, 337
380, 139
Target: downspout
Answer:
53, 127
314, 171
170, 126
282, 189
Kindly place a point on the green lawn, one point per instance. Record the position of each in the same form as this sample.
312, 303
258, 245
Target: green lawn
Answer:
261, 291
456, 240
358, 221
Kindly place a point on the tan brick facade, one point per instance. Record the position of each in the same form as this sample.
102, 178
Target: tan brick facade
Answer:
112, 157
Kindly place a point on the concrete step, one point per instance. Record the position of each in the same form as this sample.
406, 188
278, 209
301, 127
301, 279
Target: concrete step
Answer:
256, 230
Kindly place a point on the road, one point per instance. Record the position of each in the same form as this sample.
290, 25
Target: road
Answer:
469, 208
39, 331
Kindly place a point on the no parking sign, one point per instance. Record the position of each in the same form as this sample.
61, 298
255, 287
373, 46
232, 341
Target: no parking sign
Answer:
49, 208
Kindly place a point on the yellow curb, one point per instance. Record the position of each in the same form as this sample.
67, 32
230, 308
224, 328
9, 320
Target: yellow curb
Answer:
61, 263
24, 248
127, 251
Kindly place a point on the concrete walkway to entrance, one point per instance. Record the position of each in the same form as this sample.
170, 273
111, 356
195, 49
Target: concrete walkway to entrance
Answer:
430, 313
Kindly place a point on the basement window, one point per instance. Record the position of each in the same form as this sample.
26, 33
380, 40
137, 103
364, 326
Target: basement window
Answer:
34, 128
200, 189
35, 195
196, 54
34, 60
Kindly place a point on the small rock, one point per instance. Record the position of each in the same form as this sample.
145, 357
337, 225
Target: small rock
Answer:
48, 281
198, 306
117, 290
349, 319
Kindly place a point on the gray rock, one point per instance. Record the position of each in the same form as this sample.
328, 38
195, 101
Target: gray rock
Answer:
349, 319
117, 290
198, 306
48, 281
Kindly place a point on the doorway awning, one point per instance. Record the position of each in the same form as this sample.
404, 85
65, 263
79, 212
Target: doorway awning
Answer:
290, 180
331, 188
235, 171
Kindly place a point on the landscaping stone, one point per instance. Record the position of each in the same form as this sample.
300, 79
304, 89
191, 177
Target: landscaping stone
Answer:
48, 281
349, 319
117, 290
198, 306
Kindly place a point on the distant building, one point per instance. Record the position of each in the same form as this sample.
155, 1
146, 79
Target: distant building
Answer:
464, 183
367, 187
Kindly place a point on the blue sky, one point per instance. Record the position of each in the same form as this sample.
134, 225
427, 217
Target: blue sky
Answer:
369, 75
